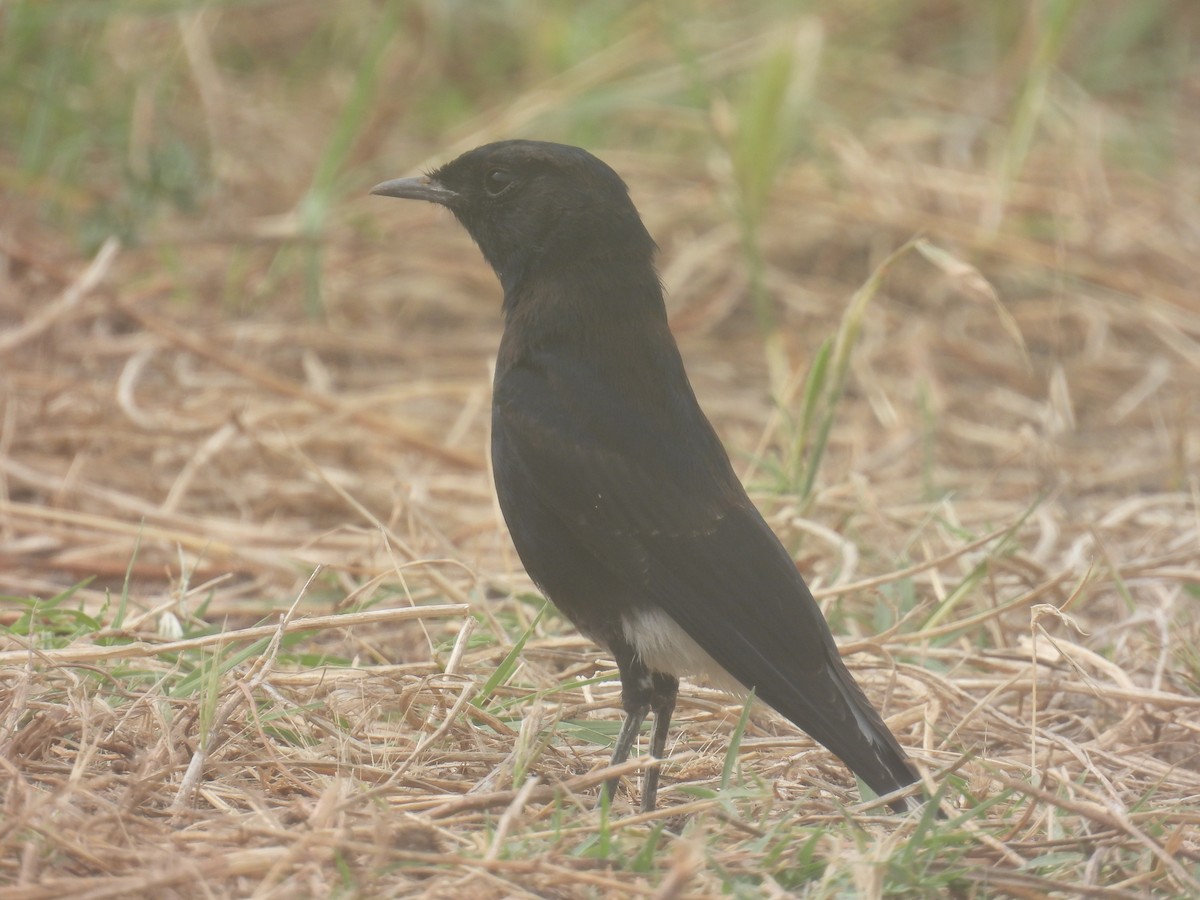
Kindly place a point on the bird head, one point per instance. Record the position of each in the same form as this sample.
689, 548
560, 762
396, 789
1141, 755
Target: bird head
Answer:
532, 203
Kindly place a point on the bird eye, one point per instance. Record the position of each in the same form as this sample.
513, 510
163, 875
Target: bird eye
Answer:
497, 181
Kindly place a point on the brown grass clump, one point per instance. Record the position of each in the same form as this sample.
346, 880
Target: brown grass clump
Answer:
265, 635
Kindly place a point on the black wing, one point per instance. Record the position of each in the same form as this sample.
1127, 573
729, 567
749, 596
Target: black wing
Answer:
640, 482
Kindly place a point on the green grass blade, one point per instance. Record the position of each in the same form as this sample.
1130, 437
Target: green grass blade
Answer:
735, 742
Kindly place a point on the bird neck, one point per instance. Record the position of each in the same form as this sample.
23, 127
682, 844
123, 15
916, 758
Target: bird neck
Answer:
586, 298
611, 255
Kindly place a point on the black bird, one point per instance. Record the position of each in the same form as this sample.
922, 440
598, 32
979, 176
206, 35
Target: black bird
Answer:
620, 498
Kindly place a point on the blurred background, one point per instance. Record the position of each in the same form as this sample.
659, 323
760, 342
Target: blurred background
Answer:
164, 120
933, 267
1043, 154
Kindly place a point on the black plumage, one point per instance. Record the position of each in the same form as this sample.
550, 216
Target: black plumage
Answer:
620, 498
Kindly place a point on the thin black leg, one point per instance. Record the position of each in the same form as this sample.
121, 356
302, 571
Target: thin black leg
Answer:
625, 741
641, 692
664, 706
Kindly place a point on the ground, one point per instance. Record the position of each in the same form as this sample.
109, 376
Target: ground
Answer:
263, 632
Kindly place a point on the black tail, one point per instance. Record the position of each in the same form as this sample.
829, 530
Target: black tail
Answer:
873, 754
850, 728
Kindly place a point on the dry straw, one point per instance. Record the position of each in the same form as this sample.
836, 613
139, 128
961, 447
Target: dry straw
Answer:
1005, 531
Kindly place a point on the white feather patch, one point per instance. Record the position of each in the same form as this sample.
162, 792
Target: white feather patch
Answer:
665, 647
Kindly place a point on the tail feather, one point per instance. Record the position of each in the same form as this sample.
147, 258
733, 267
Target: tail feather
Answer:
873, 754
861, 740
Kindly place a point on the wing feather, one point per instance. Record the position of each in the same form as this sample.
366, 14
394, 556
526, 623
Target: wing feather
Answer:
671, 522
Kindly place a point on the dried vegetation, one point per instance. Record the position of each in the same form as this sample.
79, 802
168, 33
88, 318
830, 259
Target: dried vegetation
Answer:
264, 634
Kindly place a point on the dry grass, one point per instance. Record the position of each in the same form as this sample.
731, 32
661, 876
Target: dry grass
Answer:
298, 655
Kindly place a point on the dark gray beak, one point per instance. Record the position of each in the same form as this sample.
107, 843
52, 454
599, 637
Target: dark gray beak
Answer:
420, 188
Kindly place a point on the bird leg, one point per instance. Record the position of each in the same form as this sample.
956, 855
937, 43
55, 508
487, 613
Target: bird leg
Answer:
642, 691
664, 705
625, 741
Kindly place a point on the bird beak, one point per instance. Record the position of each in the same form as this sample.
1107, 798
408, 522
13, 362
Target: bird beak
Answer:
420, 188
